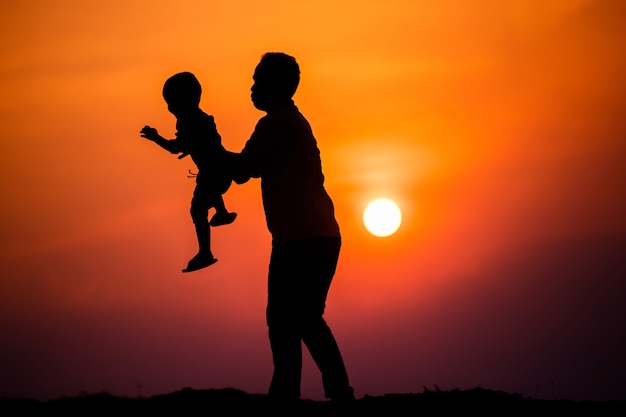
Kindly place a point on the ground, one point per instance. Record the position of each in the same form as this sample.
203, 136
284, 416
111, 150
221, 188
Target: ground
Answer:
233, 402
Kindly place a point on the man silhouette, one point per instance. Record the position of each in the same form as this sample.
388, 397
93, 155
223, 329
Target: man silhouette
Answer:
306, 241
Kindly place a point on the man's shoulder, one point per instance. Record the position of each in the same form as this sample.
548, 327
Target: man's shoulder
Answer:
266, 121
282, 116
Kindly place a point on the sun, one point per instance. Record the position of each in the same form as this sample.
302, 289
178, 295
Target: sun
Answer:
382, 217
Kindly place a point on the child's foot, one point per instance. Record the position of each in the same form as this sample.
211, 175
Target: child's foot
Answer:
200, 261
222, 218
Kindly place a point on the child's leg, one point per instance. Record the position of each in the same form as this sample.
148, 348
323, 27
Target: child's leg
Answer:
218, 204
199, 215
221, 216
199, 212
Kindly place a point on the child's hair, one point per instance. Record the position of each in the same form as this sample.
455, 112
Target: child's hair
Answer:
183, 86
283, 71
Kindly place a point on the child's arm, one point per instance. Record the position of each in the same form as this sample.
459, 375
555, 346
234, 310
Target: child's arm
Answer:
170, 145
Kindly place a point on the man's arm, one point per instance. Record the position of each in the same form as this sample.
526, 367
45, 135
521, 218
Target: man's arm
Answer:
237, 167
255, 157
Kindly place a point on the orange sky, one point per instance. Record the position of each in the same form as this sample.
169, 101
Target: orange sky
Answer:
497, 126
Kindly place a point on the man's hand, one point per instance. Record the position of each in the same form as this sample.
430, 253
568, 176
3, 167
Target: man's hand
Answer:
149, 133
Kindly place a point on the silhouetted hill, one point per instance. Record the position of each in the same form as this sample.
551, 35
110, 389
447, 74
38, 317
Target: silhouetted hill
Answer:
233, 402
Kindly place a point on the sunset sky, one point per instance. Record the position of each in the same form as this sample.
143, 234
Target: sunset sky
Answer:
499, 128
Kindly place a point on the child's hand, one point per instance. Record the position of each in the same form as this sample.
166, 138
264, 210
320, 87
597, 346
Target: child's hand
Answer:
149, 133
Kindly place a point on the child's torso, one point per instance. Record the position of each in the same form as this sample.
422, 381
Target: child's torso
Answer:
197, 135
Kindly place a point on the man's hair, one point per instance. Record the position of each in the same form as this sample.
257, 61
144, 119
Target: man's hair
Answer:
183, 86
283, 72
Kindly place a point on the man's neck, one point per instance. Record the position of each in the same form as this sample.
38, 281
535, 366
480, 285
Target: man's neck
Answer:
280, 106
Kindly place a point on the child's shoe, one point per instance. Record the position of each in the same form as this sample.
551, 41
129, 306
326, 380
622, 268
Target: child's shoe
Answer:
220, 219
199, 261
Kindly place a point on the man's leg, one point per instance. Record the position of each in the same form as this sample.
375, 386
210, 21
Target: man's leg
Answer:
282, 326
318, 269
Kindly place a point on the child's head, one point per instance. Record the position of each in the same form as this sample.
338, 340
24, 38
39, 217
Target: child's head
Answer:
182, 92
276, 79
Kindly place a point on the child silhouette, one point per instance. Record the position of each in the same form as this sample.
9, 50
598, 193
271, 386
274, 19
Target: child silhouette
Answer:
197, 136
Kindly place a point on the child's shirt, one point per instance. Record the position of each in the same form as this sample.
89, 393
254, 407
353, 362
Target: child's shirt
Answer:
196, 135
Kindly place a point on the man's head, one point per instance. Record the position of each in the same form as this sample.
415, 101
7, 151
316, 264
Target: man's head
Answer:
276, 79
182, 92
